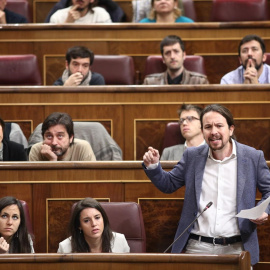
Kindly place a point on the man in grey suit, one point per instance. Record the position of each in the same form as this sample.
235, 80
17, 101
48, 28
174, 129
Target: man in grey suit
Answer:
222, 171
190, 127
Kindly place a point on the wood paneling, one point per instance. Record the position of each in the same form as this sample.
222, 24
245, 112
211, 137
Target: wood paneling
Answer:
136, 116
51, 188
160, 216
218, 43
125, 261
151, 132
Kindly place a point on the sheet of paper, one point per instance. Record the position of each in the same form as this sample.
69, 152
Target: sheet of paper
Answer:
255, 212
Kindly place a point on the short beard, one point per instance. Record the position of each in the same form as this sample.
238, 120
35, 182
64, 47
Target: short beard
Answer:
59, 152
257, 66
216, 149
80, 9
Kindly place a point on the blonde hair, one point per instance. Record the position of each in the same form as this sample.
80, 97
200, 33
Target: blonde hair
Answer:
152, 15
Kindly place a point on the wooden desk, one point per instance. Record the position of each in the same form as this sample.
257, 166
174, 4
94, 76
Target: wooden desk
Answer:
50, 189
136, 116
216, 42
125, 261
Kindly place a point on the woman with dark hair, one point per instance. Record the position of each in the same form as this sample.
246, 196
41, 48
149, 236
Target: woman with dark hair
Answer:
13, 230
90, 231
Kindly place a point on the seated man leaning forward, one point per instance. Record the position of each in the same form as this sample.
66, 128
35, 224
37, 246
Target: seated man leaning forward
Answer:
173, 53
253, 70
78, 72
82, 12
190, 127
59, 143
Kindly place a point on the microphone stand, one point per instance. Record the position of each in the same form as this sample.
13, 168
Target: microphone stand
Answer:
206, 207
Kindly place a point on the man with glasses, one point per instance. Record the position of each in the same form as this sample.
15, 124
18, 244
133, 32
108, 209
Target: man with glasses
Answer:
190, 127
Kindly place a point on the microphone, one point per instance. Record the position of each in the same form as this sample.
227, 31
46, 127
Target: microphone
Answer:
205, 208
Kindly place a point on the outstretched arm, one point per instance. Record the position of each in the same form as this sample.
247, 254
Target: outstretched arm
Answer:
151, 156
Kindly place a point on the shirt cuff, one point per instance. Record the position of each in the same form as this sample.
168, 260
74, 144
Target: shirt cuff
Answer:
152, 166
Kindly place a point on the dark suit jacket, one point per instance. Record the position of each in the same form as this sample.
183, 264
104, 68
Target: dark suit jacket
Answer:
252, 173
13, 151
12, 17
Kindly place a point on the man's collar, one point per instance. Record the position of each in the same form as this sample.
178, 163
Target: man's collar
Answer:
186, 146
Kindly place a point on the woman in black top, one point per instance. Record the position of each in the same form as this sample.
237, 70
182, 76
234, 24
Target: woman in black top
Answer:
10, 151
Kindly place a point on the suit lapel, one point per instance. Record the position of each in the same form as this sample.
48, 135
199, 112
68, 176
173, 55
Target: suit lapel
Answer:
242, 164
200, 161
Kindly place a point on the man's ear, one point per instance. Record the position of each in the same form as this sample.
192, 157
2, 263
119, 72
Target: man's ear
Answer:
264, 57
71, 139
163, 60
66, 64
184, 55
231, 128
239, 58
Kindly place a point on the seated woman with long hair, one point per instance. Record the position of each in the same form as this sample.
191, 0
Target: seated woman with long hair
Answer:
14, 236
165, 11
90, 231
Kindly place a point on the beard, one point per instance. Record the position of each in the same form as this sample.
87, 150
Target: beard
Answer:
84, 77
257, 66
59, 151
215, 148
80, 9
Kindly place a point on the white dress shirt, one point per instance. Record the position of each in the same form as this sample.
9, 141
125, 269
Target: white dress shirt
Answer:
219, 185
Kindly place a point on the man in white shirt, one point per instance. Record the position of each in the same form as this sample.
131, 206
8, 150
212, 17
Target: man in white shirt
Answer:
224, 172
190, 127
82, 12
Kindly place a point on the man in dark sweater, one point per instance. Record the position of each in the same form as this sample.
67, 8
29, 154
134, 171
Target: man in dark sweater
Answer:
78, 69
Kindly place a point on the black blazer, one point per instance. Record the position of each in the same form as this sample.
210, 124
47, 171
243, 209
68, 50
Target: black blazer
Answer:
13, 151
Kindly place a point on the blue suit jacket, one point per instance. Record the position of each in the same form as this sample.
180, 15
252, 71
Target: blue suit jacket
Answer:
252, 173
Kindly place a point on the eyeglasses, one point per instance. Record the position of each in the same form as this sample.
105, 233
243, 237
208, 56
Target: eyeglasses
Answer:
189, 119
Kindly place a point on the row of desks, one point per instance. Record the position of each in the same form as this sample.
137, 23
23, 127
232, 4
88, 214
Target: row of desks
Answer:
125, 261
50, 189
216, 42
41, 8
136, 116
